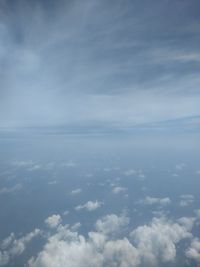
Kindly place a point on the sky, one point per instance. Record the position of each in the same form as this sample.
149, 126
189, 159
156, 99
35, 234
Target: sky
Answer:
99, 133
99, 64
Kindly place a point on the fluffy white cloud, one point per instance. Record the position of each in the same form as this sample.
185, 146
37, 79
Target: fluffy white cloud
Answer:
155, 200
11, 247
187, 222
67, 248
111, 224
90, 205
152, 243
157, 241
119, 189
193, 252
53, 221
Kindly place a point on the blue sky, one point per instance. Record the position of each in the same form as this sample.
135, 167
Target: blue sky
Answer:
107, 63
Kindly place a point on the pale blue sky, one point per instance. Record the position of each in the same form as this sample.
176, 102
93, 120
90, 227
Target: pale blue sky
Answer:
117, 63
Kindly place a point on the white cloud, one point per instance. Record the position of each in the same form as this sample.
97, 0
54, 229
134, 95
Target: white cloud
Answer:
11, 247
29, 165
193, 252
139, 173
186, 200
149, 244
187, 222
53, 221
35, 167
76, 191
111, 224
155, 200
90, 205
66, 212
197, 212
67, 248
119, 189
157, 241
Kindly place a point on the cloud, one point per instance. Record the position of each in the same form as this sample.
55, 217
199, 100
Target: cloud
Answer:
119, 189
76, 191
69, 164
29, 165
90, 206
193, 252
130, 172
53, 221
11, 247
153, 243
180, 166
77, 68
138, 173
9, 190
157, 241
155, 200
111, 224
186, 200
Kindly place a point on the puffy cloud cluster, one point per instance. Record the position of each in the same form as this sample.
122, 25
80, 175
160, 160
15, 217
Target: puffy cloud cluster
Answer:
155, 200
53, 221
119, 189
193, 251
152, 243
11, 247
90, 205
157, 241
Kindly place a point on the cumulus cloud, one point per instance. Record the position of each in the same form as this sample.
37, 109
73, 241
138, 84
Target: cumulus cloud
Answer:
193, 252
11, 247
155, 200
149, 244
119, 189
90, 205
53, 221
157, 241
111, 223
